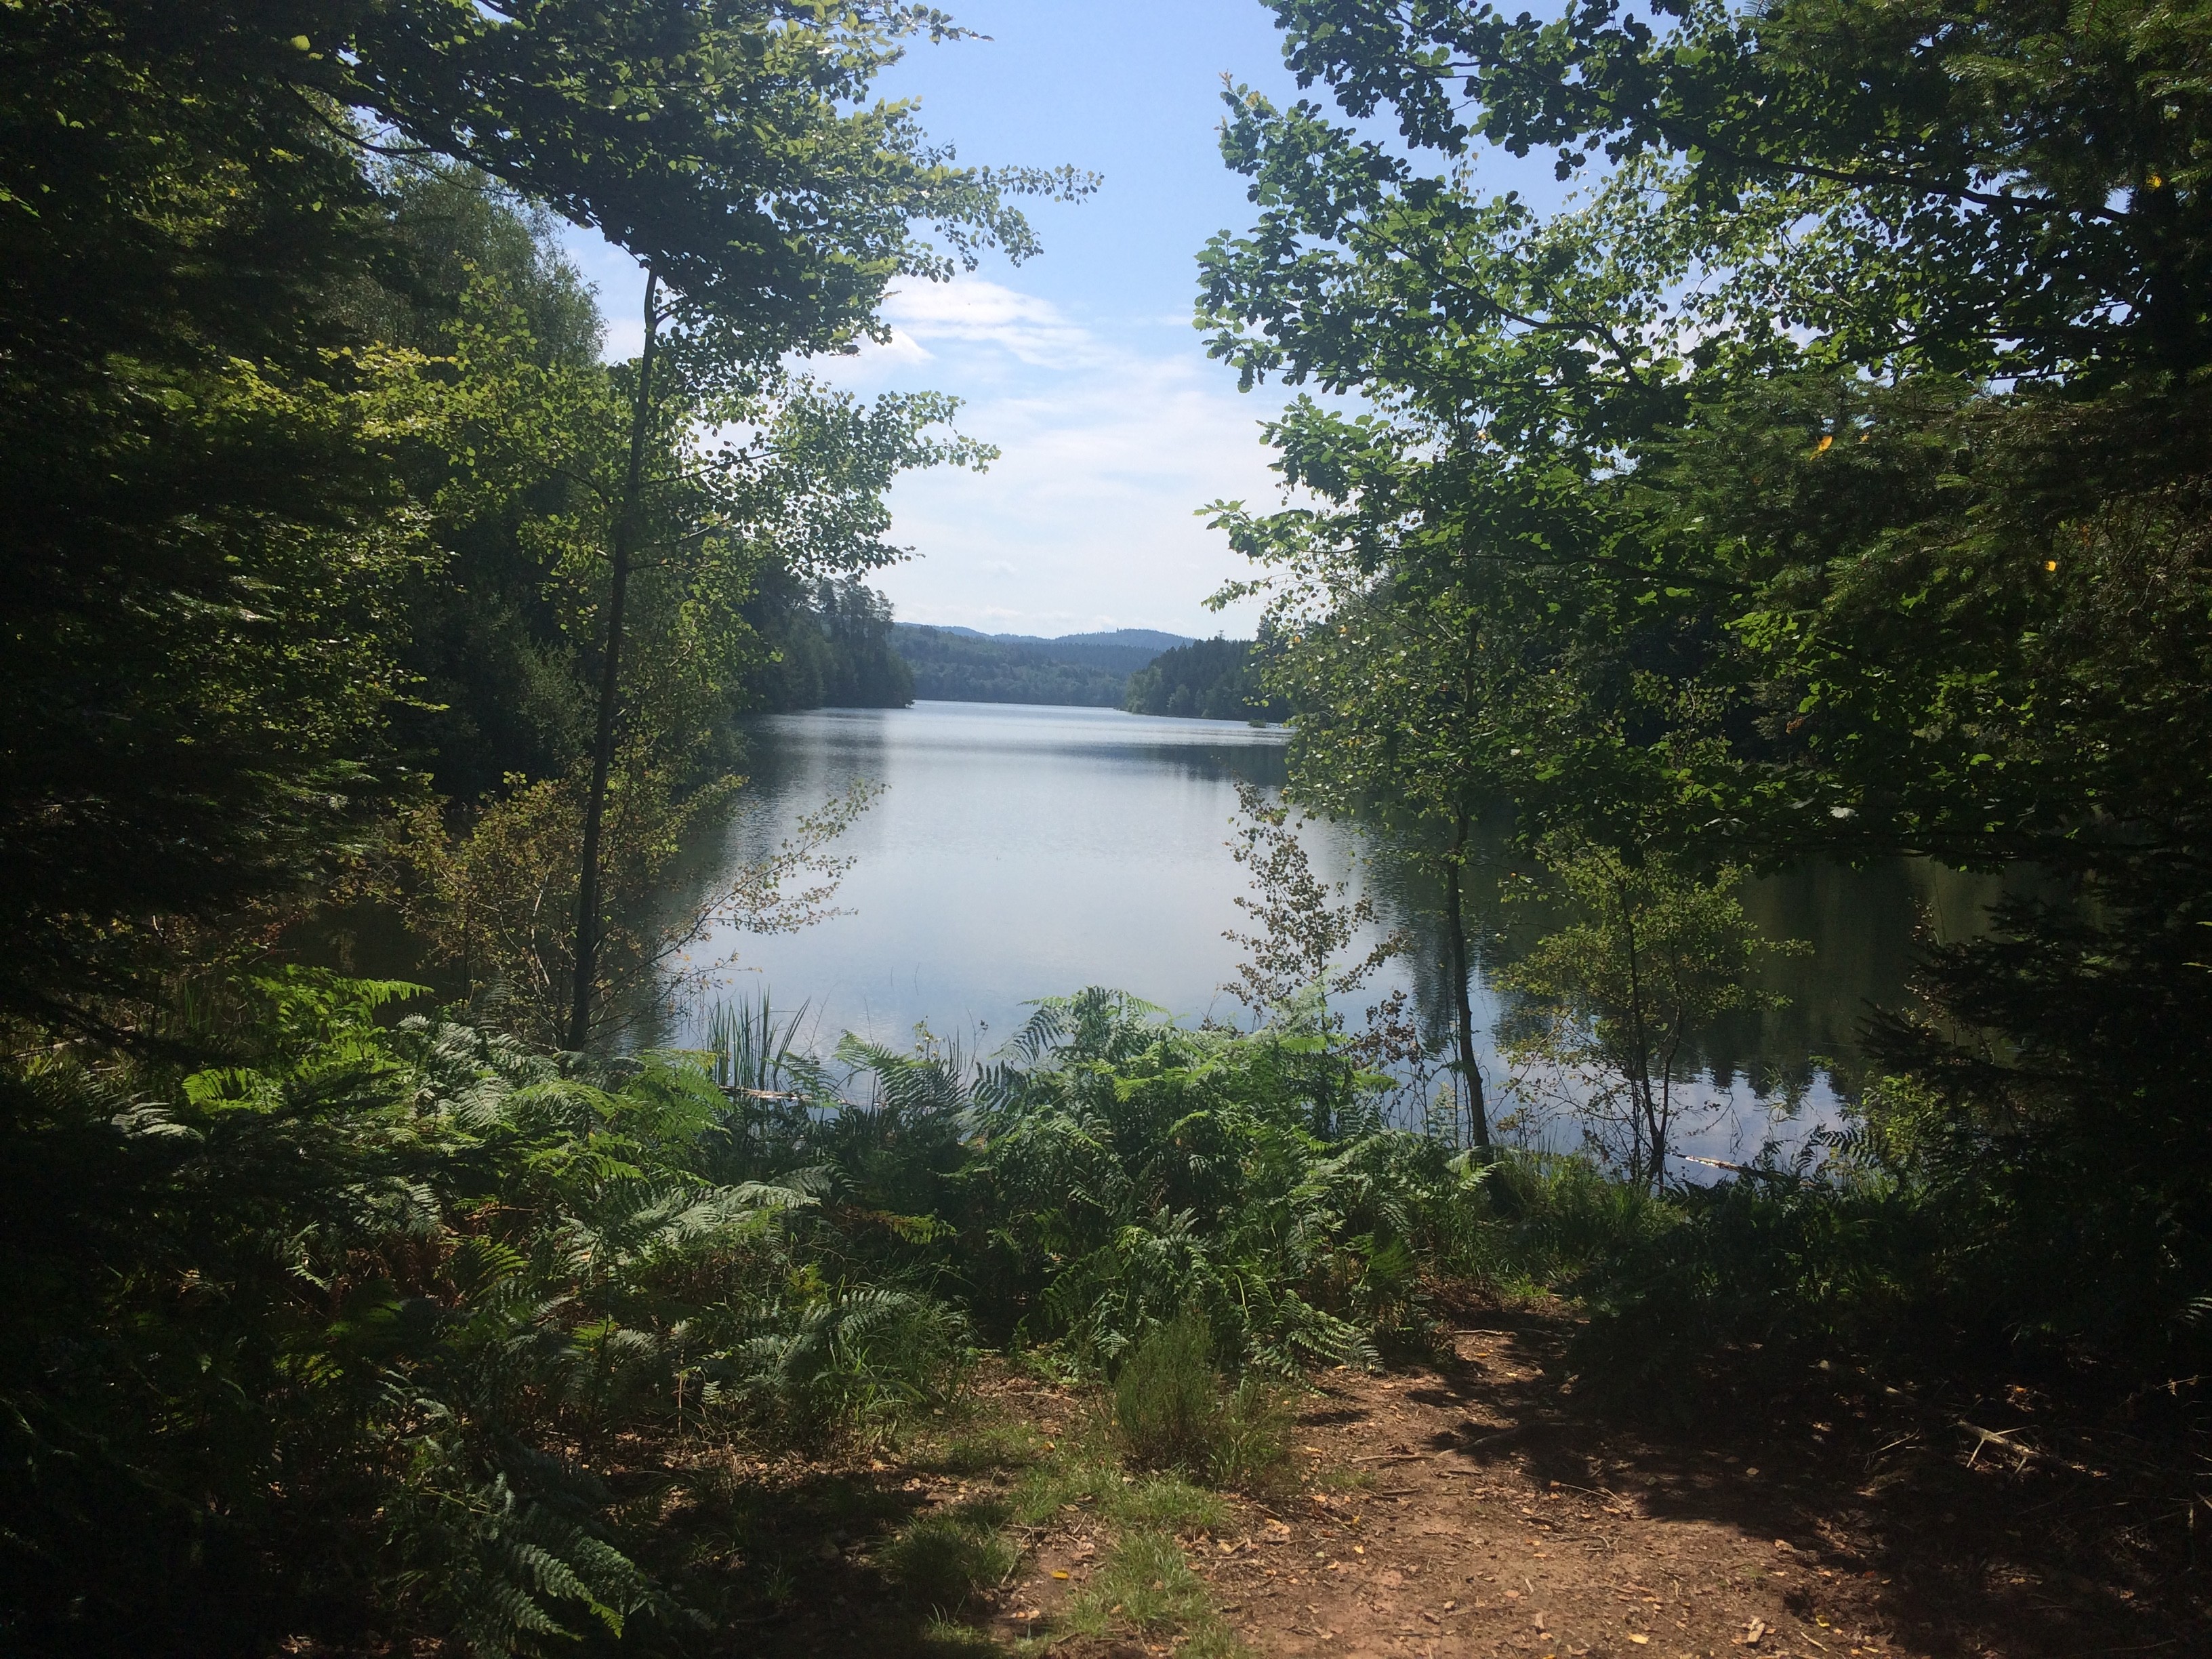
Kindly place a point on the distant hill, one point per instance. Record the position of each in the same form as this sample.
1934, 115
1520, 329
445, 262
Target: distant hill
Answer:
963, 664
1123, 651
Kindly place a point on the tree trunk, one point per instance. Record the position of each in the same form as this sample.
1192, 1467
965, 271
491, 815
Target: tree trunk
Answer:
1648, 1133
1456, 970
603, 747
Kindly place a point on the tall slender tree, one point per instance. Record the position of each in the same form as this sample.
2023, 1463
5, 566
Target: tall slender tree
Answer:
200, 430
603, 737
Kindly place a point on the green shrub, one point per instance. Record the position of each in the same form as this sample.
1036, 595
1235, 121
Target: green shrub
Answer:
1167, 1401
842, 1363
1536, 1221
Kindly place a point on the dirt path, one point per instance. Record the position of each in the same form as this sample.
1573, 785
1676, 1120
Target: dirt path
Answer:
1469, 1510
1474, 1508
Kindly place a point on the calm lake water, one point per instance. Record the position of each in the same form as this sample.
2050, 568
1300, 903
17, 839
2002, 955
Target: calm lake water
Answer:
1019, 852
1015, 853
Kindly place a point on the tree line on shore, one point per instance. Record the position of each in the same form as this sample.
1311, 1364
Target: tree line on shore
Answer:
1200, 679
1214, 679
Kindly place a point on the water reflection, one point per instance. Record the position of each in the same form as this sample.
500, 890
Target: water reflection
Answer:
1021, 852
1016, 853
1865, 926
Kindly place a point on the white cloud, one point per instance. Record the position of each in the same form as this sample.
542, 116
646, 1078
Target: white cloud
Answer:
1113, 432
1091, 517
976, 312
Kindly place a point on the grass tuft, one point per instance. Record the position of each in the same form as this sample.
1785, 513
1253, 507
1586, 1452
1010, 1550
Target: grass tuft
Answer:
985, 1448
1147, 1585
944, 1562
1167, 1397
1172, 1413
1168, 1505
1252, 1435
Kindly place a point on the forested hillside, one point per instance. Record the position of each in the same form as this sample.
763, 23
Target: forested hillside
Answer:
959, 664
832, 645
1123, 650
1822, 478
1214, 679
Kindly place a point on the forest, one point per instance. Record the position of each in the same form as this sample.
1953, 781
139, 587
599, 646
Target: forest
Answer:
1214, 679
957, 665
1822, 480
1138, 670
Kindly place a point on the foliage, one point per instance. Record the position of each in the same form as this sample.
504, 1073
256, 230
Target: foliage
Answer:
1304, 930
1613, 1002
510, 338
1146, 1581
1295, 966
1728, 557
496, 901
1173, 1412
1165, 1397
1537, 1222
1108, 1170
355, 1317
208, 540
321, 458
1212, 679
352, 1331
944, 1561
1812, 483
1129, 1169
2060, 1141
832, 648
2034, 167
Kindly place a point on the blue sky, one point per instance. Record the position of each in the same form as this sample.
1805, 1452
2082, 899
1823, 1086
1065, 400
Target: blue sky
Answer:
1082, 365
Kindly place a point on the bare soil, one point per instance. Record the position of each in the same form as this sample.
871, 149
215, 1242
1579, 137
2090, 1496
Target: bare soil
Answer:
1474, 1507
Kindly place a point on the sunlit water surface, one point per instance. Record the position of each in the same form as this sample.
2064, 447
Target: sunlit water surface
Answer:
1017, 852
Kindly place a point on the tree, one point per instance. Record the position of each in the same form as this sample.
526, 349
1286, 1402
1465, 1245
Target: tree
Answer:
729, 466
1614, 1002
2005, 190
206, 430
495, 899
1214, 679
745, 474
1830, 468
1782, 411
1433, 680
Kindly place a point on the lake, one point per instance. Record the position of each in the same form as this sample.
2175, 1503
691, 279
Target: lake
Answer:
1019, 852
1016, 852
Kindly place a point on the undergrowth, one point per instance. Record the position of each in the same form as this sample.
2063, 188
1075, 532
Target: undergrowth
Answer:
356, 1330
